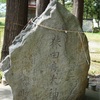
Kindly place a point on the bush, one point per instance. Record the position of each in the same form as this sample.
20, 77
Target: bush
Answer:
0, 75
3, 1
96, 30
2, 24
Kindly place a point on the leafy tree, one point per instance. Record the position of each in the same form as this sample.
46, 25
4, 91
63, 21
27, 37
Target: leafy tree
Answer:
89, 8
3, 1
97, 10
92, 9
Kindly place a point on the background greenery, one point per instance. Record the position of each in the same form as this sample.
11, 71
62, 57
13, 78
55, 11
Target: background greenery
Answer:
3, 1
2, 23
94, 47
92, 9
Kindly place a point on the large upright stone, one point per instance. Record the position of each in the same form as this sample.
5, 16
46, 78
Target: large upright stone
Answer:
48, 63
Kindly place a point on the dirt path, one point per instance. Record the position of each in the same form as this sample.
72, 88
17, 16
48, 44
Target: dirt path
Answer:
5, 92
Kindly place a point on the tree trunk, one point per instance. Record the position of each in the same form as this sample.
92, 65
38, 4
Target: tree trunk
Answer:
41, 6
16, 19
78, 6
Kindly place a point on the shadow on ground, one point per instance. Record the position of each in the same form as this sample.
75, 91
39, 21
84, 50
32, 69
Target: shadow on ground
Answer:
92, 95
5, 94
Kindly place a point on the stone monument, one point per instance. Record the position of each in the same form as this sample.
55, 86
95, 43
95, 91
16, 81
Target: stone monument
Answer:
49, 59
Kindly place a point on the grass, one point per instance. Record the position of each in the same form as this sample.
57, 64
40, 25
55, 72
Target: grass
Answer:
93, 36
94, 48
0, 75
1, 38
1, 41
1, 34
2, 21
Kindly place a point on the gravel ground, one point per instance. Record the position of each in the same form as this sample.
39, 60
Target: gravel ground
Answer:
94, 83
5, 92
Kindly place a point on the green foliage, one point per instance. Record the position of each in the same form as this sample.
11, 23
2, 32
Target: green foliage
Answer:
97, 9
88, 8
69, 6
1, 37
3, 1
92, 9
0, 75
2, 24
96, 30
2, 21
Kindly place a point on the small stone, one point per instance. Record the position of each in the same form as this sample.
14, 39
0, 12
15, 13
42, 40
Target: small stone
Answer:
66, 31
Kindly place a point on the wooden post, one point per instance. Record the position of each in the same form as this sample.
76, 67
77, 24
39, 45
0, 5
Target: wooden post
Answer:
78, 6
16, 19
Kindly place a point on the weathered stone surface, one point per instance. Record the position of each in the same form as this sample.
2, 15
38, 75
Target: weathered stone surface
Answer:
48, 63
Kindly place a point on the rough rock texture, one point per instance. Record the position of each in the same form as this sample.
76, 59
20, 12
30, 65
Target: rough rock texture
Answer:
48, 63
